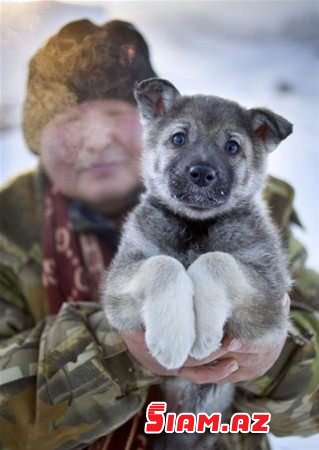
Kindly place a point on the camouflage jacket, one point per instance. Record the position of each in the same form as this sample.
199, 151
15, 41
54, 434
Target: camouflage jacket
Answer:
67, 379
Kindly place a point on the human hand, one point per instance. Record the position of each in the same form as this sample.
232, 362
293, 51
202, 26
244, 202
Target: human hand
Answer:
135, 342
251, 359
234, 361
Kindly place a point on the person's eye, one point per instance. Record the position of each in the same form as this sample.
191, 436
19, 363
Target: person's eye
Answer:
178, 139
232, 147
72, 119
114, 113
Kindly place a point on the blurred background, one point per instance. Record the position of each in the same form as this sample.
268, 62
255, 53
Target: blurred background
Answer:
260, 53
255, 52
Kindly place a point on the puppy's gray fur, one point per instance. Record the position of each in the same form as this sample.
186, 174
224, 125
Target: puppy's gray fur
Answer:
199, 254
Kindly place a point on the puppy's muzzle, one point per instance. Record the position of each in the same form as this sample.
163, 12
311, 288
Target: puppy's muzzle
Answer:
202, 175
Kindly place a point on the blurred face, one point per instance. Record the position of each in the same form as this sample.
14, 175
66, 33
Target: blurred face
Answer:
91, 153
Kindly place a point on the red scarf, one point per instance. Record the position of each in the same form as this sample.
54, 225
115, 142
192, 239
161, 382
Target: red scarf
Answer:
72, 262
72, 267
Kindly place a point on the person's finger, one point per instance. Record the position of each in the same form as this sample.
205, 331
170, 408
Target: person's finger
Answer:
135, 341
209, 374
138, 337
243, 374
259, 346
252, 366
223, 349
247, 359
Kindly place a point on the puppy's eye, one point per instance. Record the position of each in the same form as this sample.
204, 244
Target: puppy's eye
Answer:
178, 139
232, 147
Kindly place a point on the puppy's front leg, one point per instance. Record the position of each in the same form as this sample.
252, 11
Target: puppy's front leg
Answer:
167, 309
219, 282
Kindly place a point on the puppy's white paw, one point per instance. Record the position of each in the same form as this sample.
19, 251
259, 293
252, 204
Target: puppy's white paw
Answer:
168, 314
170, 347
212, 306
206, 343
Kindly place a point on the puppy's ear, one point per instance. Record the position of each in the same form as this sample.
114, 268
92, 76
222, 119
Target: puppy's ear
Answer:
269, 127
154, 97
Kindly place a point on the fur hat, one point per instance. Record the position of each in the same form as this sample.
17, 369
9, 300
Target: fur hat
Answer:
83, 61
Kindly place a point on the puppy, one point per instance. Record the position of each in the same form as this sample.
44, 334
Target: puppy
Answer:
199, 255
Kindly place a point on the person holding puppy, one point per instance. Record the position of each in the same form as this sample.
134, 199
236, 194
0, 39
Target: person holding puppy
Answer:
68, 380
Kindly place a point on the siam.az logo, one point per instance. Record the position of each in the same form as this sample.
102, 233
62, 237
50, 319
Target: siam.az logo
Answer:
158, 421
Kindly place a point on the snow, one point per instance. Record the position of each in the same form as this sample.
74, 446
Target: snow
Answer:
258, 53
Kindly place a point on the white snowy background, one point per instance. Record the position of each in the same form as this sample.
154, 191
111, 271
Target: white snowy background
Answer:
255, 52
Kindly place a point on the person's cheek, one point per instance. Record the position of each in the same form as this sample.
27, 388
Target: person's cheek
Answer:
64, 140
67, 154
58, 157
129, 134
68, 145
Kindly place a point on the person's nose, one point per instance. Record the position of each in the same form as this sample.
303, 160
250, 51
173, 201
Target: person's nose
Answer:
101, 140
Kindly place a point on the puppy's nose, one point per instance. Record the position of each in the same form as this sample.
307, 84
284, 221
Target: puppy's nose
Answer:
202, 174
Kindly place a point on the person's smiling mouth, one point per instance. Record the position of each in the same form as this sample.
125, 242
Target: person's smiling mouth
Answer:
105, 165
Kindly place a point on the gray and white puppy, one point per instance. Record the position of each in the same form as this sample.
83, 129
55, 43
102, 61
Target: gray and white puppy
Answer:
199, 255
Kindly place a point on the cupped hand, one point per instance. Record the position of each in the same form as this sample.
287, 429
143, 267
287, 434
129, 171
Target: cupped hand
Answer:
135, 342
234, 361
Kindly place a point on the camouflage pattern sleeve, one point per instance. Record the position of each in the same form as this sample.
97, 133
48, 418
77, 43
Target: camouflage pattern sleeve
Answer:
67, 381
290, 389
